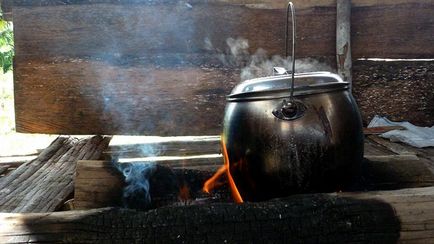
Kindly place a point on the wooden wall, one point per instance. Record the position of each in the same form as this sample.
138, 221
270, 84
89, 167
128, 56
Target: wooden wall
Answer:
146, 67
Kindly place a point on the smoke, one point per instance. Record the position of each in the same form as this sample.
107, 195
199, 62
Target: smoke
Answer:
137, 176
136, 194
260, 63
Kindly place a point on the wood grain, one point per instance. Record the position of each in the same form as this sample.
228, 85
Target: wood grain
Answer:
97, 185
42, 184
104, 67
64, 98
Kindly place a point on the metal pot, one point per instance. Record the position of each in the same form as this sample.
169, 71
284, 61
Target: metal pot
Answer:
283, 138
276, 149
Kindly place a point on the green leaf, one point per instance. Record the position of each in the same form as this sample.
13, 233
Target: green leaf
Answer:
6, 45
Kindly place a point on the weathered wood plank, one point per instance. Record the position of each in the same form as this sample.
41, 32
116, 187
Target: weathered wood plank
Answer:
142, 29
381, 217
95, 183
123, 66
397, 148
397, 174
380, 28
96, 98
42, 184
380, 129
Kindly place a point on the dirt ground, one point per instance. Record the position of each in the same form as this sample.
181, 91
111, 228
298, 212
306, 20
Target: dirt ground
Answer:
398, 90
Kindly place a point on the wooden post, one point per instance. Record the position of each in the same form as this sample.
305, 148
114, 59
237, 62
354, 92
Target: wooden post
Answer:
343, 39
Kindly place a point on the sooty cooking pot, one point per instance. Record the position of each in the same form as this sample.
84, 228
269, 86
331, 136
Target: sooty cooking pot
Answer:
278, 145
283, 138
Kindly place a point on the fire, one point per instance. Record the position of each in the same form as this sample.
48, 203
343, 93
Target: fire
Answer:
212, 182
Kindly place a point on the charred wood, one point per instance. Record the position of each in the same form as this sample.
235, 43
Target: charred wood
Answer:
378, 217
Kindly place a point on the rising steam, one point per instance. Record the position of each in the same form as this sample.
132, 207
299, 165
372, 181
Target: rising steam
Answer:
260, 63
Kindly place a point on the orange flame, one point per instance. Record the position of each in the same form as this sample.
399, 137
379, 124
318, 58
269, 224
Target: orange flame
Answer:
211, 183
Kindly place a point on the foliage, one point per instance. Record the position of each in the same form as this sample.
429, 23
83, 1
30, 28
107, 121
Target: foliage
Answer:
6, 44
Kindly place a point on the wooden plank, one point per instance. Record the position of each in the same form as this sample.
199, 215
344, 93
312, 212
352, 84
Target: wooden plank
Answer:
372, 148
120, 100
380, 129
119, 68
106, 189
41, 185
141, 29
398, 148
391, 158
131, 33
403, 216
388, 31
397, 173
150, 147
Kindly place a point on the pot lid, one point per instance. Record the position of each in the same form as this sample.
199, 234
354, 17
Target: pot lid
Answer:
279, 86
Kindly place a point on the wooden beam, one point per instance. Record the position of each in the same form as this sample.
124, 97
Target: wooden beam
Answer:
343, 39
381, 217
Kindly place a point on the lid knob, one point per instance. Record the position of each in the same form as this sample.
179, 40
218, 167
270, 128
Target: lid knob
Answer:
290, 110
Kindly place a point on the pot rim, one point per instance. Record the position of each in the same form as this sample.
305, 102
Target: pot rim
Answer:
272, 87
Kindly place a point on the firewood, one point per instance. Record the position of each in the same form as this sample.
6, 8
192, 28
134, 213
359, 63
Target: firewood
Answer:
43, 184
3, 169
362, 217
101, 184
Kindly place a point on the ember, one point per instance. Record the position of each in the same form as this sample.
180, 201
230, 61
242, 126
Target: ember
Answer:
213, 182
184, 193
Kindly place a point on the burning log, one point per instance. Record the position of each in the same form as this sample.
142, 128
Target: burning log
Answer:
99, 184
102, 184
379, 217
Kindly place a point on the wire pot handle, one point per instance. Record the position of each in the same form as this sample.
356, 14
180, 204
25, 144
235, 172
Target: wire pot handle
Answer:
290, 9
